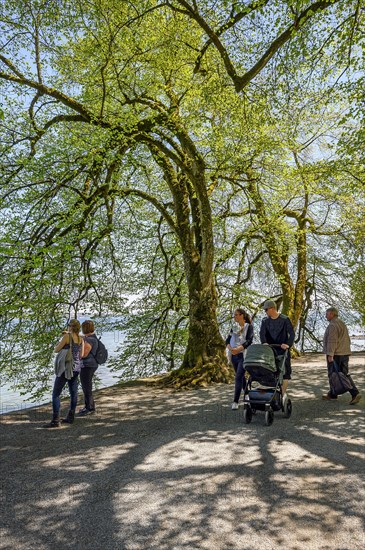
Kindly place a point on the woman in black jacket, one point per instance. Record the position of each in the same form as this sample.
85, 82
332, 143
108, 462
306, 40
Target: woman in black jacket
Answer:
237, 343
89, 367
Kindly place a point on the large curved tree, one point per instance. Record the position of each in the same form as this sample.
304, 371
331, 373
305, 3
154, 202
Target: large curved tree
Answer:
91, 89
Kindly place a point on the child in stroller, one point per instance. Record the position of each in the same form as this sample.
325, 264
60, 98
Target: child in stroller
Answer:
265, 367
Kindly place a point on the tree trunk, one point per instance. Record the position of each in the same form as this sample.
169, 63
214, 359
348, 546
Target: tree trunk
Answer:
206, 348
205, 358
293, 293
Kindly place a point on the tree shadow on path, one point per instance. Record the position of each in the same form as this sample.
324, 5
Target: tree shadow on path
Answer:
154, 469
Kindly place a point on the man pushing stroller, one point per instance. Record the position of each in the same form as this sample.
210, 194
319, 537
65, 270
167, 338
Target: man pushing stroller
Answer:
277, 330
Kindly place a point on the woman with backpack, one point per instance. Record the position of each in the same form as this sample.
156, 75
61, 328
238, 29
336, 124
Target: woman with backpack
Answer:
90, 365
67, 372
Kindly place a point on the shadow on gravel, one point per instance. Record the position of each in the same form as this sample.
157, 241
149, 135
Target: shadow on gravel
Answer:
153, 469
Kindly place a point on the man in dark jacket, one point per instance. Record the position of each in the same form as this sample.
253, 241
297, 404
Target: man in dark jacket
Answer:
277, 329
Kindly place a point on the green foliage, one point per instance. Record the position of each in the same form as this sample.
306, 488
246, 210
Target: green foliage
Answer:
147, 148
358, 290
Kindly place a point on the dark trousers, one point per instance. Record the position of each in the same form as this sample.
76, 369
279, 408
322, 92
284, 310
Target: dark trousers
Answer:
280, 351
342, 362
59, 384
237, 362
86, 377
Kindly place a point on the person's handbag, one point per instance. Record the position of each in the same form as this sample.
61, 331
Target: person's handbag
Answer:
339, 382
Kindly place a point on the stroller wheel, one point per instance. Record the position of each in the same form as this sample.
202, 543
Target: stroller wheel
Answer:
269, 418
287, 409
247, 415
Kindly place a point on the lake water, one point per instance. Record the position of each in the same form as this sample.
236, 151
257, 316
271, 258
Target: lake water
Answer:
11, 400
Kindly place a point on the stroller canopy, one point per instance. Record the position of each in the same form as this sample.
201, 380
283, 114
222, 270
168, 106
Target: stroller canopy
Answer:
260, 354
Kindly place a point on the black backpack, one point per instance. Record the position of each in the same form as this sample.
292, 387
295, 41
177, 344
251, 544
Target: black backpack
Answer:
101, 354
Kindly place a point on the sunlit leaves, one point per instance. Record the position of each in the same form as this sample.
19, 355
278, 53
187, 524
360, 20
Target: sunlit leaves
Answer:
105, 189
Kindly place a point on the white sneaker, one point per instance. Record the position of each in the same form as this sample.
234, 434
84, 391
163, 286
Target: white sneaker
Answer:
234, 406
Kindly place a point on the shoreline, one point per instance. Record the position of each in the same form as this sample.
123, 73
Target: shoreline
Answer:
153, 381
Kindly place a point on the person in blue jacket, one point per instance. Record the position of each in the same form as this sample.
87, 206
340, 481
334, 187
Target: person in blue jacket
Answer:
277, 329
237, 342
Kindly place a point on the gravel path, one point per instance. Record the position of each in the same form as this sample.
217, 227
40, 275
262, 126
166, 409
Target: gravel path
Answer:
160, 470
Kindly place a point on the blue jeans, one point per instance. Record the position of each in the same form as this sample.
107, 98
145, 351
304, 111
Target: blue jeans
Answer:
237, 362
59, 384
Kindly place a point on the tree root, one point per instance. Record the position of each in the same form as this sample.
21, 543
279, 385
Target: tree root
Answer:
198, 377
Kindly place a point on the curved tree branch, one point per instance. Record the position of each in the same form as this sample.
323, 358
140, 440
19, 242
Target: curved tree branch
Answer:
241, 82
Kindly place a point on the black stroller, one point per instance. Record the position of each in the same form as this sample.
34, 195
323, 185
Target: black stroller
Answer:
265, 367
